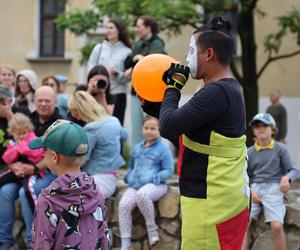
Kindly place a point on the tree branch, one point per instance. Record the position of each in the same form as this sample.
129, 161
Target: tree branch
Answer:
272, 59
253, 5
235, 72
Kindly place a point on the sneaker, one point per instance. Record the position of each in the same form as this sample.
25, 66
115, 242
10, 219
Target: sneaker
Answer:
153, 237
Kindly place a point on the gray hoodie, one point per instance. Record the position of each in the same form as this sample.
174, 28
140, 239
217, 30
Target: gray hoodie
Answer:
70, 215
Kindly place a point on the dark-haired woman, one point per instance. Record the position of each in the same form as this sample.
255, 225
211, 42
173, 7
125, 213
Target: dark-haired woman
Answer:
148, 43
112, 53
98, 85
26, 84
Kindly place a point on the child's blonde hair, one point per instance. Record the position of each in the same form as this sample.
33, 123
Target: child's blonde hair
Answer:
19, 121
87, 107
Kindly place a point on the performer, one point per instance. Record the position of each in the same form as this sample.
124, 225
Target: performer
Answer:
213, 181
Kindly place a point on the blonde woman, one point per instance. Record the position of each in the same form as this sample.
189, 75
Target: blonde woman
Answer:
7, 76
105, 134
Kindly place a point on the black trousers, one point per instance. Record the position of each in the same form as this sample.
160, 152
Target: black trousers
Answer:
120, 107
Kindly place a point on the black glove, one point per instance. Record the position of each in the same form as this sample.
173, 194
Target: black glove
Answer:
152, 108
176, 76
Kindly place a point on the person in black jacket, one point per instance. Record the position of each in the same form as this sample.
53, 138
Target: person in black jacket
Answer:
149, 43
211, 126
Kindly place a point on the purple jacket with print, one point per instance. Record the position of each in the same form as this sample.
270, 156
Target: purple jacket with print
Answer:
70, 215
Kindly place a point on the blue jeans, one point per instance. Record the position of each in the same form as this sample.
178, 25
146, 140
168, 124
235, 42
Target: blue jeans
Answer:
8, 194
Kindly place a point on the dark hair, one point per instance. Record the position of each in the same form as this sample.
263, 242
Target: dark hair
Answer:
150, 21
123, 33
216, 35
45, 80
17, 87
99, 70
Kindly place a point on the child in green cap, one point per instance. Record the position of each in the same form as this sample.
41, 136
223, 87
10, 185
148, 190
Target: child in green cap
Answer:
70, 212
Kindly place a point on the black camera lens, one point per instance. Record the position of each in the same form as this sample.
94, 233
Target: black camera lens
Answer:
101, 84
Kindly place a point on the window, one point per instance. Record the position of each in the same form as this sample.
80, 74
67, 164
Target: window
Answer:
52, 40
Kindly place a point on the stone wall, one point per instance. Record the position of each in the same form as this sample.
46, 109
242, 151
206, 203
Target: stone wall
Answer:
260, 235
167, 218
169, 221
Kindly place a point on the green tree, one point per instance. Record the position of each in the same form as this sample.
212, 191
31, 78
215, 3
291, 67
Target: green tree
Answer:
173, 15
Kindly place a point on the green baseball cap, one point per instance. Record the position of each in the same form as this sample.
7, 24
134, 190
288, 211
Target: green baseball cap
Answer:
64, 137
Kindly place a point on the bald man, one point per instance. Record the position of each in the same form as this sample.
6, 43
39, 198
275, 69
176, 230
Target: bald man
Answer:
46, 113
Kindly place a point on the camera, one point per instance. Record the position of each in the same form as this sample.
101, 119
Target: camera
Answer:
101, 84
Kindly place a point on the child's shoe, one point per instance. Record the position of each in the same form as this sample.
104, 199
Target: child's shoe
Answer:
153, 237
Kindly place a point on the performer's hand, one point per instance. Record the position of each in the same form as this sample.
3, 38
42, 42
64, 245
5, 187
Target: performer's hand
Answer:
150, 108
256, 198
176, 76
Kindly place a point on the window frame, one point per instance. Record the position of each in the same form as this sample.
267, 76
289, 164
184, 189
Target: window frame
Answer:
55, 32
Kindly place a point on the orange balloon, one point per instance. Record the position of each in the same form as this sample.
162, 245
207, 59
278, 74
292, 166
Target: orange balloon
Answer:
147, 76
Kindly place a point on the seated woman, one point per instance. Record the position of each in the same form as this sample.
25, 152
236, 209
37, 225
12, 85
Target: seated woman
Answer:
105, 134
26, 84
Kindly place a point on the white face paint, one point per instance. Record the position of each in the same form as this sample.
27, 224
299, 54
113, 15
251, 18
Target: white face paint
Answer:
192, 57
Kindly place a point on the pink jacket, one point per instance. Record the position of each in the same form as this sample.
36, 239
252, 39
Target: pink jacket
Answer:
13, 151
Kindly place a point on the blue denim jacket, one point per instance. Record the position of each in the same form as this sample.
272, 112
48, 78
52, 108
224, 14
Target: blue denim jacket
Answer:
104, 145
153, 164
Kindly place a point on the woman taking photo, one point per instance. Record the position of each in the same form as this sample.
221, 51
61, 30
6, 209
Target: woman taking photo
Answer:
112, 53
98, 85
105, 134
